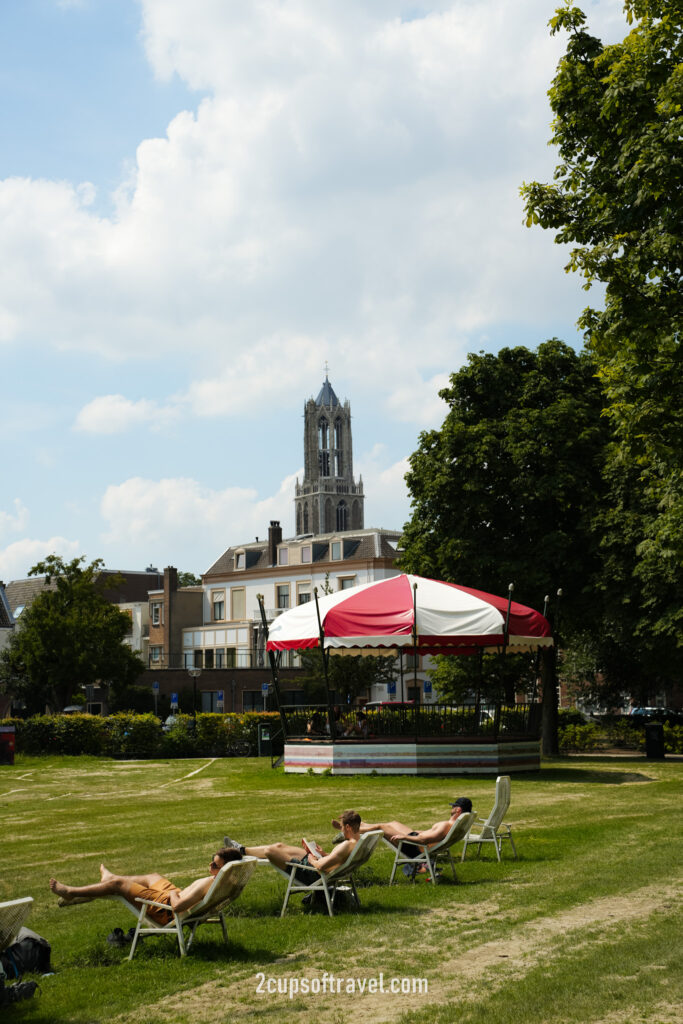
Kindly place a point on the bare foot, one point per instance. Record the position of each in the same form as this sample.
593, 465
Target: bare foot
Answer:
105, 873
58, 888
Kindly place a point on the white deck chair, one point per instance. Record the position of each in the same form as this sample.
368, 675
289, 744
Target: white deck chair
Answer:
493, 829
429, 855
330, 882
12, 916
227, 886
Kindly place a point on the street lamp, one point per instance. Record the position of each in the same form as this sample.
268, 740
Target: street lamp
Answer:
194, 673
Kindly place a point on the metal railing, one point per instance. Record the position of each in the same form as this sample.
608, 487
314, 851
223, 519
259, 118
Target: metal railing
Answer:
422, 721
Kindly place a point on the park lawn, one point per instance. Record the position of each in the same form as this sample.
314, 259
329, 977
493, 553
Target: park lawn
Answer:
584, 926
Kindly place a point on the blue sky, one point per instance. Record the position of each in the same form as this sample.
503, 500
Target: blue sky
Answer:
202, 204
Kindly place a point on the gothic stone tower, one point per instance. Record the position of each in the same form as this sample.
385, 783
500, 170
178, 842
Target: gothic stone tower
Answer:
328, 500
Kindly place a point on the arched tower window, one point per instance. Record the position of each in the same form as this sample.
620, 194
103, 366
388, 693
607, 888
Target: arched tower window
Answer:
323, 447
305, 529
342, 516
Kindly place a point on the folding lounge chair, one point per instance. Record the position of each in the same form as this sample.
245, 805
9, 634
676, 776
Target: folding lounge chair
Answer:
493, 829
330, 882
226, 887
12, 916
429, 855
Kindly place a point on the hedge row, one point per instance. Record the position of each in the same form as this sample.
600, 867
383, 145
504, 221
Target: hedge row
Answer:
584, 738
125, 734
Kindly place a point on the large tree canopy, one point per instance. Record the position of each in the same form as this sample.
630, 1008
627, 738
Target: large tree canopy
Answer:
68, 637
506, 490
617, 199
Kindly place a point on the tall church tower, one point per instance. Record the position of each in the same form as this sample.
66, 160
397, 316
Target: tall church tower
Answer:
328, 500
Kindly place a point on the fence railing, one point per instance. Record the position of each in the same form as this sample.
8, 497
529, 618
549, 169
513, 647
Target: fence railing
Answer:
421, 721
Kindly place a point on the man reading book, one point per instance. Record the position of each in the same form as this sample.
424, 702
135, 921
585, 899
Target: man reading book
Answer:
283, 855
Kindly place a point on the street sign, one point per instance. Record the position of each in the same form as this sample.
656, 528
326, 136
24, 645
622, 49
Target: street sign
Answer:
174, 702
219, 696
155, 686
391, 688
264, 687
428, 686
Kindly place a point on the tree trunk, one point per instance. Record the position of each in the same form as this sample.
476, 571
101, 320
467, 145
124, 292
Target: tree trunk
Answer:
550, 742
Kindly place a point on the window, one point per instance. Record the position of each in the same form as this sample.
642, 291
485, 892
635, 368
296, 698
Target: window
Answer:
342, 516
306, 553
282, 595
238, 604
410, 662
345, 582
218, 599
208, 659
304, 597
239, 560
199, 659
283, 556
155, 655
252, 700
336, 550
156, 612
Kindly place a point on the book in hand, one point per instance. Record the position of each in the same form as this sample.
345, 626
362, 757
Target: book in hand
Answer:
310, 848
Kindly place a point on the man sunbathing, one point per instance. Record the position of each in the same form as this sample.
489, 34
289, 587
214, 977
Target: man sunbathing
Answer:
147, 887
281, 855
395, 830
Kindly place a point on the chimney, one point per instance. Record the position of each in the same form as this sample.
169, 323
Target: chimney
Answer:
274, 538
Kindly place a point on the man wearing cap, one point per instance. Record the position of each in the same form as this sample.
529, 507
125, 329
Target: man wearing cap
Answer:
395, 830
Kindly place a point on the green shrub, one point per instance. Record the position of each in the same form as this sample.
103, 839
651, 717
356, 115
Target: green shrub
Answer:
673, 739
131, 735
579, 738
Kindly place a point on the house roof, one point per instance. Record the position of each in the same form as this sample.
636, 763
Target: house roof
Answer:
6, 620
360, 544
133, 587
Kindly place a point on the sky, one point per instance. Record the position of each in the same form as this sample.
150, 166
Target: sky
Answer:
204, 204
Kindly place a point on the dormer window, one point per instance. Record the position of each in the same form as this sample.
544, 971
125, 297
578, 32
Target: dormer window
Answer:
306, 553
239, 560
283, 556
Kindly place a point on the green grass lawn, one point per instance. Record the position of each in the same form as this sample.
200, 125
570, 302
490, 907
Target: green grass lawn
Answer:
584, 926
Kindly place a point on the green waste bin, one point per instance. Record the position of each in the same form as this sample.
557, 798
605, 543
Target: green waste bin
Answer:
265, 743
654, 741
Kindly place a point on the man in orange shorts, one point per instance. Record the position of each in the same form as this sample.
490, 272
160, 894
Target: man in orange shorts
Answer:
146, 887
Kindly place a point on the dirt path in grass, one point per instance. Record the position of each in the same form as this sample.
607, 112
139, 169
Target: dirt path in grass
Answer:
489, 962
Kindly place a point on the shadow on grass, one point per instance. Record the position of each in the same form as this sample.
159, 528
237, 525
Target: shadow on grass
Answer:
580, 775
163, 947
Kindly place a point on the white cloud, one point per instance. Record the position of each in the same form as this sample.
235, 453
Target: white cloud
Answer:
151, 519
114, 414
16, 521
17, 558
347, 188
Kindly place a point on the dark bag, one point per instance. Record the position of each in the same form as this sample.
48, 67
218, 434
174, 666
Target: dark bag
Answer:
30, 953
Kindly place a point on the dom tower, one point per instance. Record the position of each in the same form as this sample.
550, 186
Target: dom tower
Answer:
328, 500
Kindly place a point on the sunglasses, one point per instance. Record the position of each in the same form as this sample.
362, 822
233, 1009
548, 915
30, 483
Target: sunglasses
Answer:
216, 866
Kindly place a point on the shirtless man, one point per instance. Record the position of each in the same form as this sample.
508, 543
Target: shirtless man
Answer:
395, 830
281, 854
147, 887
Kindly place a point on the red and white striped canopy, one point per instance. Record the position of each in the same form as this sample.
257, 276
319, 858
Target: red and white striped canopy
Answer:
450, 619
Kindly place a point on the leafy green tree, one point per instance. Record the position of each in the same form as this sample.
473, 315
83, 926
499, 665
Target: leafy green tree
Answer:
617, 199
349, 676
188, 579
506, 490
68, 637
493, 677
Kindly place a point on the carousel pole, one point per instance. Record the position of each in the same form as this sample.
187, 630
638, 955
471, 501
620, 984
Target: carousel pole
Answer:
325, 656
506, 633
537, 663
273, 667
416, 712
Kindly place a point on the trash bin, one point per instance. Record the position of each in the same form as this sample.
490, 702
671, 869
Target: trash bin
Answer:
265, 744
6, 744
654, 741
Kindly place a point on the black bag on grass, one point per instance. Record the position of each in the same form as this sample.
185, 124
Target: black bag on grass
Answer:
30, 953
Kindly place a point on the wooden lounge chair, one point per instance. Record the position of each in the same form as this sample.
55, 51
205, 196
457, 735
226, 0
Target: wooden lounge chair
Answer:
332, 882
12, 916
493, 829
430, 855
226, 887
